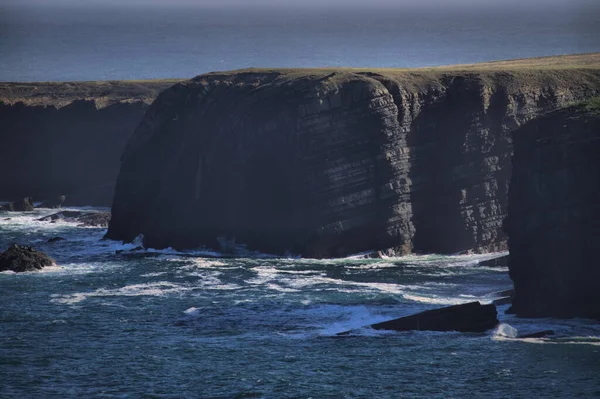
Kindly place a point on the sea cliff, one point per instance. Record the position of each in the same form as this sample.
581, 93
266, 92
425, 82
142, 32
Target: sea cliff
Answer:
554, 214
67, 138
330, 162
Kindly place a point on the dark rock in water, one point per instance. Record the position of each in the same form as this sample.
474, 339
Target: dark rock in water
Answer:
91, 219
501, 261
468, 317
97, 219
55, 239
540, 334
554, 214
19, 259
22, 205
55, 202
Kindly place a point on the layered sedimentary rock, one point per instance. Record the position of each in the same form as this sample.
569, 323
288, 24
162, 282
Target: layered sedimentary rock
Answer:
67, 138
326, 163
554, 215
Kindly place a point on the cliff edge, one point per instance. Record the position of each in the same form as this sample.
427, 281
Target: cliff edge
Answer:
554, 214
330, 162
67, 138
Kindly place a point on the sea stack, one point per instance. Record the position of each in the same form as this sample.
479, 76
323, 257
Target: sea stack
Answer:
327, 163
554, 214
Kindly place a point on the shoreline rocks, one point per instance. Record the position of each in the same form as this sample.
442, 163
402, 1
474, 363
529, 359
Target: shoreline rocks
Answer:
470, 317
88, 219
19, 258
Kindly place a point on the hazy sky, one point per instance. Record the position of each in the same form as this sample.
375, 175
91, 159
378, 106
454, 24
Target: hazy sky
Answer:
332, 3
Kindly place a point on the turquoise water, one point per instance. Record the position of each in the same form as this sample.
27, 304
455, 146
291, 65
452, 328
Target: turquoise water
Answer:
175, 325
44, 43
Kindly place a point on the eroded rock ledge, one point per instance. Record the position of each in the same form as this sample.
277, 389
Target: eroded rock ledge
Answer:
554, 214
327, 163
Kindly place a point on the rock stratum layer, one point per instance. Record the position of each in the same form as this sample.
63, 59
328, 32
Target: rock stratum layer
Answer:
326, 163
67, 138
554, 214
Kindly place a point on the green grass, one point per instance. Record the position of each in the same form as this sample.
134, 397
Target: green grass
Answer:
592, 105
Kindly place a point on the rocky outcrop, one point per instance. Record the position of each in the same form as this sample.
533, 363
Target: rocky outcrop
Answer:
327, 163
469, 317
18, 258
63, 138
554, 214
88, 219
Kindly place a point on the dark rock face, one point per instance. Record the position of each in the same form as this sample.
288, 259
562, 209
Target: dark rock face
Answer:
90, 219
65, 138
327, 164
468, 317
554, 214
97, 195
55, 202
19, 259
21, 205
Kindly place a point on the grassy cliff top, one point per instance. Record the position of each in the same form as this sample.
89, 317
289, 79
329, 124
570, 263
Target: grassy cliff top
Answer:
104, 93
526, 71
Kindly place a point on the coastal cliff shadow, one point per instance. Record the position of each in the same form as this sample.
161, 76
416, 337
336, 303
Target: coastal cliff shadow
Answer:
450, 143
49, 152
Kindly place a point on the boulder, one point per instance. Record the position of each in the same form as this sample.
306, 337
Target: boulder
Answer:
469, 317
21, 205
18, 258
88, 219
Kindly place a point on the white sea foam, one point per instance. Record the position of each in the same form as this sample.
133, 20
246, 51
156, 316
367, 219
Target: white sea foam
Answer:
192, 311
506, 330
160, 288
437, 300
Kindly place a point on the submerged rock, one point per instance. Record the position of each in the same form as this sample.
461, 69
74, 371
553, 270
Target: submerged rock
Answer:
18, 258
22, 205
554, 214
55, 239
468, 317
90, 219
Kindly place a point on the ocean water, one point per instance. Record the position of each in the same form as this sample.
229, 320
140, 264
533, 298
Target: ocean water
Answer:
87, 42
164, 324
